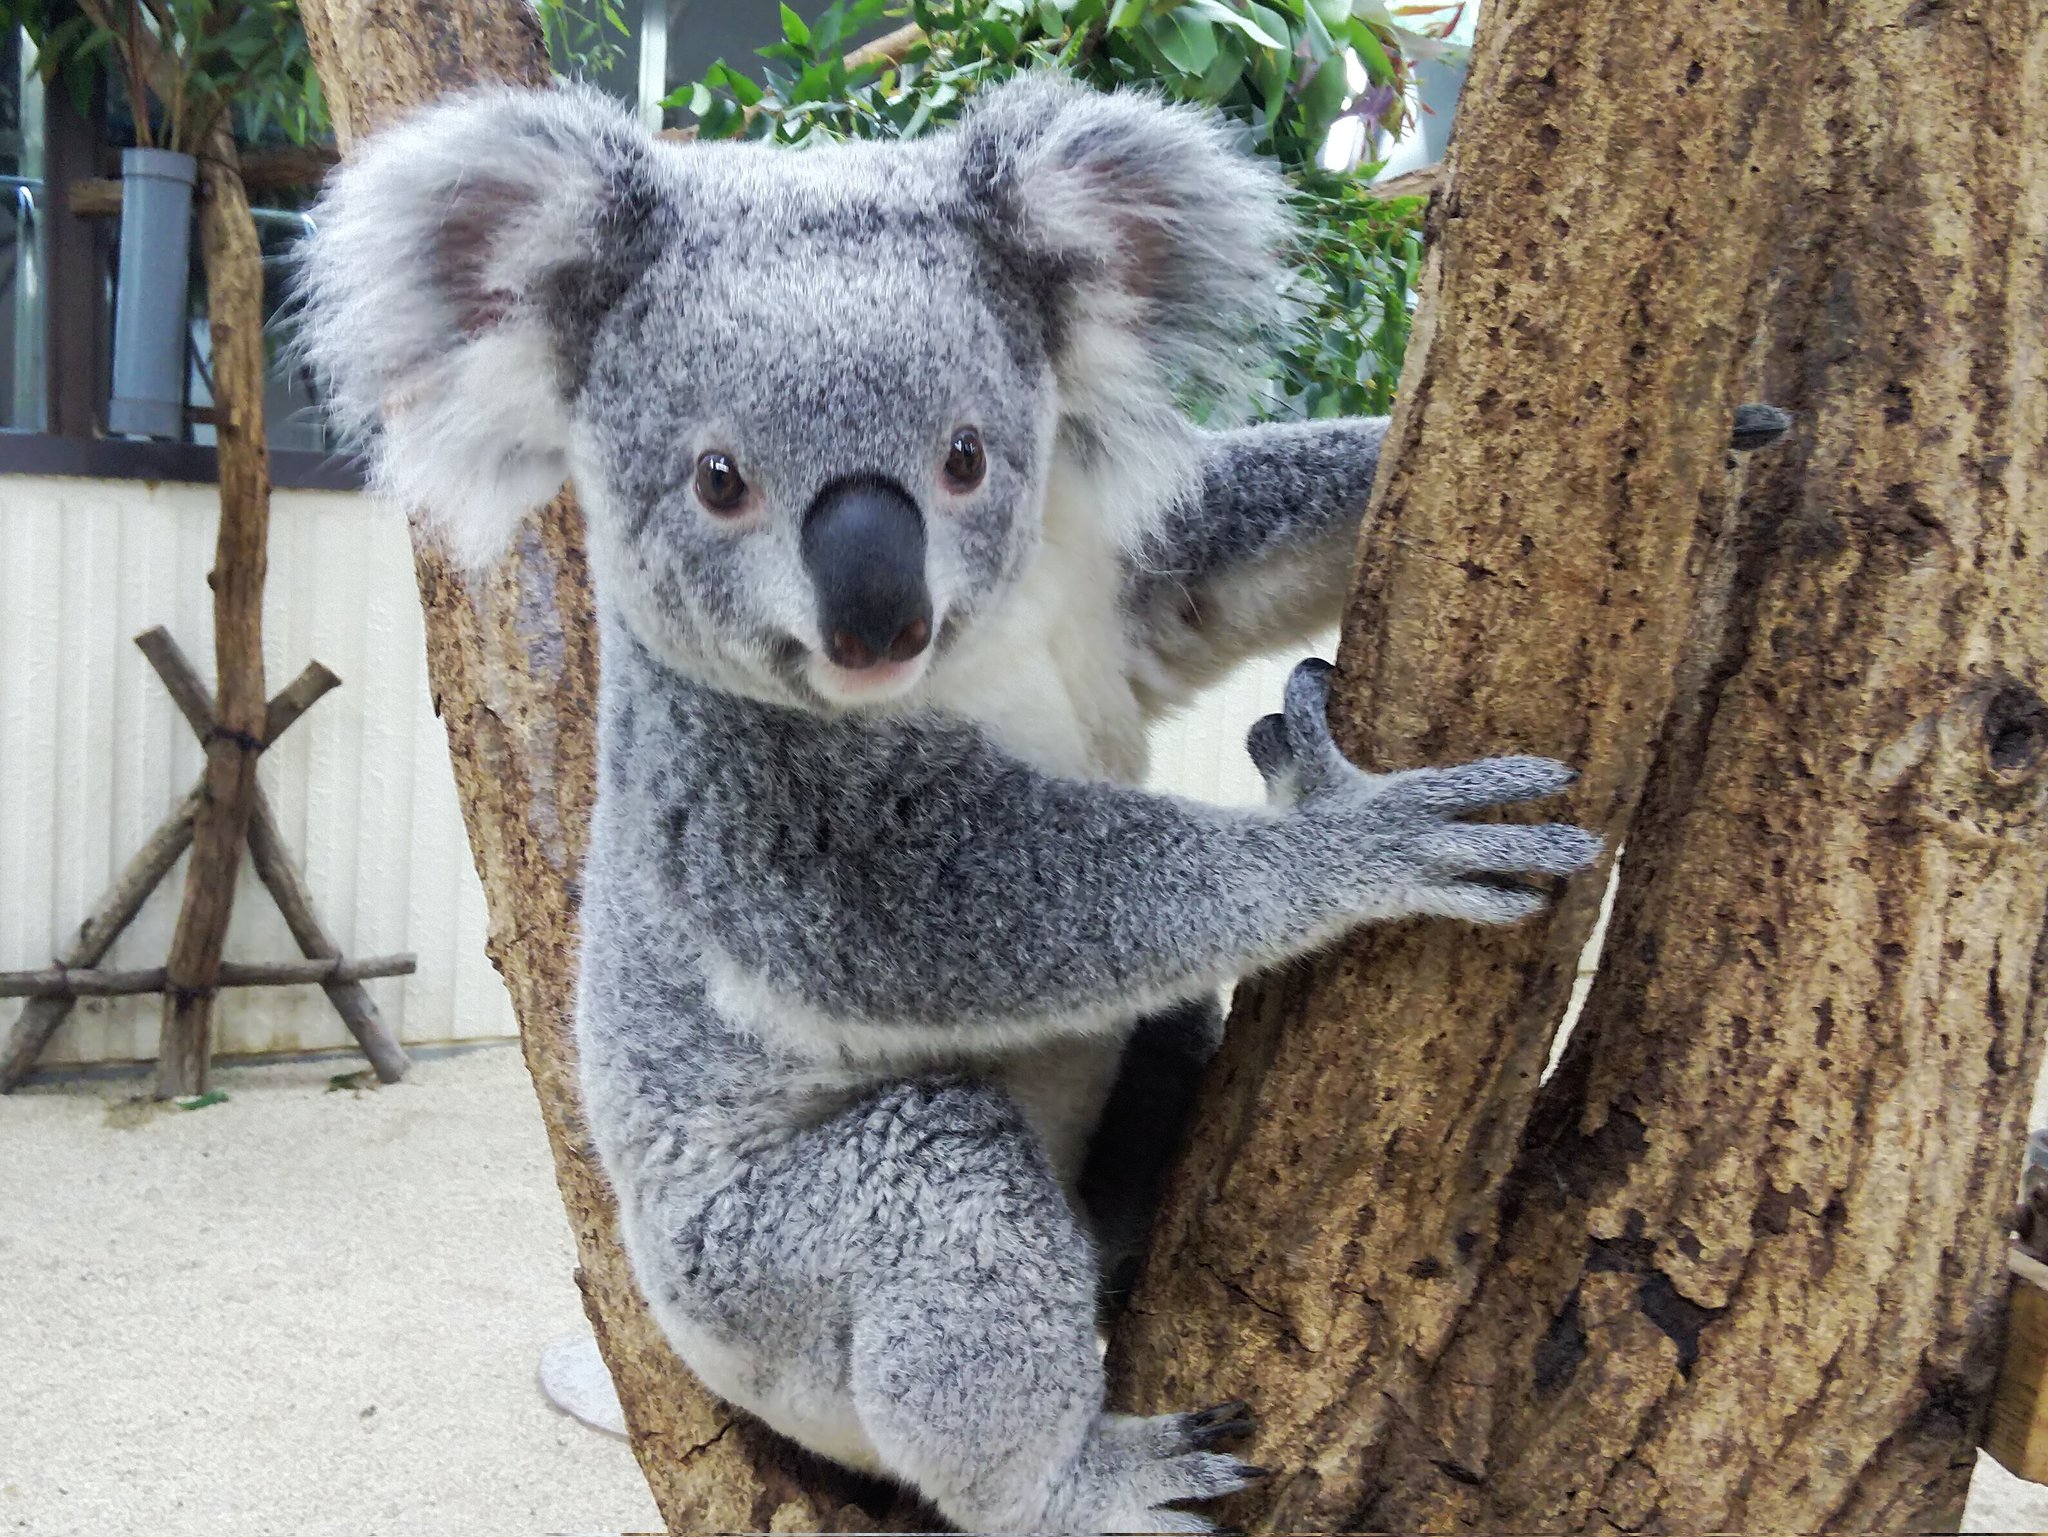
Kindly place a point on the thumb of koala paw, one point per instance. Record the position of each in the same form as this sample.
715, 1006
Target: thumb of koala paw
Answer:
1267, 743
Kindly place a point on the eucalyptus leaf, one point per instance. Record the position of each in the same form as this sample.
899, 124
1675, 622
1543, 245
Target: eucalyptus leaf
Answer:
1222, 15
1317, 37
1187, 44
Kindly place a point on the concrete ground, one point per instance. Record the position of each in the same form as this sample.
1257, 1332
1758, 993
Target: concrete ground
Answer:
317, 1312
300, 1311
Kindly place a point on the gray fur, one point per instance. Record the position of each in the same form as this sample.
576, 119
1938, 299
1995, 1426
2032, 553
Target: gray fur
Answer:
862, 953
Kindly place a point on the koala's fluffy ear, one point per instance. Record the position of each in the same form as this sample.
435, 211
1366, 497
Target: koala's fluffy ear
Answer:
459, 266
1159, 240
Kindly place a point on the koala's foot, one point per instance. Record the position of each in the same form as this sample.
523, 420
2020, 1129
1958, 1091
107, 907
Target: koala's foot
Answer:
1125, 1474
1137, 1469
973, 1366
1218, 1425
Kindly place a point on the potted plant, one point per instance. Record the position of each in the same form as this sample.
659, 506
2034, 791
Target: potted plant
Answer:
191, 70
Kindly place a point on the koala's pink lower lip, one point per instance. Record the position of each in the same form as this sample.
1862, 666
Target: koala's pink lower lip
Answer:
867, 680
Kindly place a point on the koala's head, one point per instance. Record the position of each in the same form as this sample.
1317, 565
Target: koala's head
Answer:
810, 399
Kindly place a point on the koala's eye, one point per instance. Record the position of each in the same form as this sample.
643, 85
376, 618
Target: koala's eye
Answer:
719, 485
966, 463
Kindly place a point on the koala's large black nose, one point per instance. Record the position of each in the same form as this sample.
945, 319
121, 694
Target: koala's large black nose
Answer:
863, 542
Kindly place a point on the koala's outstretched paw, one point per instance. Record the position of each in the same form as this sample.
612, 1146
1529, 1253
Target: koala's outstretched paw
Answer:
1417, 859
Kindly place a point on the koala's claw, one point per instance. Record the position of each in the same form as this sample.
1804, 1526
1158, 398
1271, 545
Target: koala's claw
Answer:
1267, 743
1196, 1476
1297, 742
1758, 425
1305, 713
1219, 1423
1293, 750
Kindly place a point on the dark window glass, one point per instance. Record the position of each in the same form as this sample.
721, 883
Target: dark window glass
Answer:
21, 319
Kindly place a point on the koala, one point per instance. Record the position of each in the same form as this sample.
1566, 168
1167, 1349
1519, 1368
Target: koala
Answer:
900, 542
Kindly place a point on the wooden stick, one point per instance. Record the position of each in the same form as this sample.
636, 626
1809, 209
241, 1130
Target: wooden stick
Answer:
182, 681
87, 982
889, 48
233, 261
274, 864
40, 1017
296, 698
1422, 183
269, 170
2018, 1436
276, 869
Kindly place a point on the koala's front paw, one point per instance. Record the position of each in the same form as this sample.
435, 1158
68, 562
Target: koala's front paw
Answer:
1412, 856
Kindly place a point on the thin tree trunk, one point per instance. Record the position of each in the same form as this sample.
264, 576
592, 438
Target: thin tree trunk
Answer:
513, 665
234, 296
1739, 1265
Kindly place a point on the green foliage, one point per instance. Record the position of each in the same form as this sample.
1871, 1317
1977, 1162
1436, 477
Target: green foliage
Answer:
1363, 254
246, 57
1277, 67
583, 39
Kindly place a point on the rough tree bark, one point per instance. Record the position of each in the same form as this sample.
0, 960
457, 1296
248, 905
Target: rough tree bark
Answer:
1740, 1264
233, 260
513, 665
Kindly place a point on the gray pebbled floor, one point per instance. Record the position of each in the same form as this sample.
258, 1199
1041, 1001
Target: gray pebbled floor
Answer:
319, 1314
296, 1312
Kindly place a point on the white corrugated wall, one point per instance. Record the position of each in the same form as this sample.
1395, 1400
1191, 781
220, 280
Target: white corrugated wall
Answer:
93, 755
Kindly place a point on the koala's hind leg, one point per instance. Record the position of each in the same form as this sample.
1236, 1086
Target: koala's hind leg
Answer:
1140, 1134
973, 1365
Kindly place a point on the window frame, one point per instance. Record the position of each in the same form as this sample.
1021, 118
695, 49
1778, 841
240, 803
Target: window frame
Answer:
77, 336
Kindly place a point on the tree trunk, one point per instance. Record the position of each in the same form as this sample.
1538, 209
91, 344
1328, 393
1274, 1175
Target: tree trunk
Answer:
1740, 1264
1481, 1306
234, 298
513, 665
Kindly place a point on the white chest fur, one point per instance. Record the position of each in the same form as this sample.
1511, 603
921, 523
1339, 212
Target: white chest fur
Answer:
1049, 672
1049, 675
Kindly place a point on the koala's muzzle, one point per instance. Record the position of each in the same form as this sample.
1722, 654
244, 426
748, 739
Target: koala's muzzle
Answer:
863, 543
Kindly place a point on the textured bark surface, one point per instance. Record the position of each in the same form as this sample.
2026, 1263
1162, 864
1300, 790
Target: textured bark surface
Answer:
1740, 1264
233, 260
513, 665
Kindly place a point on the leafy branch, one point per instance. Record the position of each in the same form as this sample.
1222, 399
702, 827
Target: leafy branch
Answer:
186, 66
1286, 70
583, 38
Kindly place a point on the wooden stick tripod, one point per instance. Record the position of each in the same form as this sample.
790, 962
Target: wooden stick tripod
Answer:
51, 992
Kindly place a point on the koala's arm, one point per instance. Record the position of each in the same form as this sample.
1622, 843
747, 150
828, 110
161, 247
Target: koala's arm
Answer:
913, 875
1260, 558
